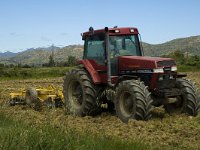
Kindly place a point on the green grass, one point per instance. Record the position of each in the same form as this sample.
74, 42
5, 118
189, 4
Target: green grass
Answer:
16, 135
29, 73
184, 68
49, 72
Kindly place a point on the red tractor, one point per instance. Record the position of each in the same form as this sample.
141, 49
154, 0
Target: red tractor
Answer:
115, 71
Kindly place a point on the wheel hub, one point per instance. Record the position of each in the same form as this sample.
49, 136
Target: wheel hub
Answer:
76, 93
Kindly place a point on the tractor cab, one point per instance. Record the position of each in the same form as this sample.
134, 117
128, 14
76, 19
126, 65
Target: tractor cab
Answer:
104, 47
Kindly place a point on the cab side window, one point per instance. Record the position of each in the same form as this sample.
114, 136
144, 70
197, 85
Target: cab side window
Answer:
95, 49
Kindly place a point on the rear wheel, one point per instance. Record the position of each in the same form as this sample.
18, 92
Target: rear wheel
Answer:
133, 101
79, 93
188, 102
31, 98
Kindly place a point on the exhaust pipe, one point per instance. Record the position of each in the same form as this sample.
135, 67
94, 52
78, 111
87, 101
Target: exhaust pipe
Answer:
108, 58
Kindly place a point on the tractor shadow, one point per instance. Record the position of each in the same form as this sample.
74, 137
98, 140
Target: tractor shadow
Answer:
157, 113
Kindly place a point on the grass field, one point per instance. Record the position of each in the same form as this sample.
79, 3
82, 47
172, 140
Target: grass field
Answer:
23, 128
19, 135
32, 73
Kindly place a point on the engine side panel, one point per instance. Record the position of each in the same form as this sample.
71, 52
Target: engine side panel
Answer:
97, 72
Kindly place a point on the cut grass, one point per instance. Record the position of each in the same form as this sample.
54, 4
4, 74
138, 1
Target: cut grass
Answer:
18, 135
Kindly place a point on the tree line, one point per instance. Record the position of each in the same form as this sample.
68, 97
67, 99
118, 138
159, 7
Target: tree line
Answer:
185, 59
70, 62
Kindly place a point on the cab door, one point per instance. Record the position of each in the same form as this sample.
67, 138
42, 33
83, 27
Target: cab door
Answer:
94, 51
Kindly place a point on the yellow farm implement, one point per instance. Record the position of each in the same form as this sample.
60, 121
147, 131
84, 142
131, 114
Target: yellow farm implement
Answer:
49, 96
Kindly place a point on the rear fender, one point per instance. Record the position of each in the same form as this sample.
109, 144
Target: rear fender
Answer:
91, 70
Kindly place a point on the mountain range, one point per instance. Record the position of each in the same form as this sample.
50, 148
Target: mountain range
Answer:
8, 54
38, 56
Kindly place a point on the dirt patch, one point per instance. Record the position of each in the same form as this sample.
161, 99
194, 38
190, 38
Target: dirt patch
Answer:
162, 130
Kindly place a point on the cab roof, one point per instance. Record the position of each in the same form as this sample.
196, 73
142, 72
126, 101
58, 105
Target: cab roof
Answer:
111, 31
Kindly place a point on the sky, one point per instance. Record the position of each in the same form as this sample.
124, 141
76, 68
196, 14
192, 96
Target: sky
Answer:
41, 23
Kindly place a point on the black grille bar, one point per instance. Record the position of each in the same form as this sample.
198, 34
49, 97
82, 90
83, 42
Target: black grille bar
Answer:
166, 63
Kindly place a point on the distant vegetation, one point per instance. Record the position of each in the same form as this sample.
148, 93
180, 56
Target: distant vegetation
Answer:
50, 69
185, 61
28, 73
70, 61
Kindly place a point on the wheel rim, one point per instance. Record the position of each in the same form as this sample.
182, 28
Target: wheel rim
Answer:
75, 93
126, 104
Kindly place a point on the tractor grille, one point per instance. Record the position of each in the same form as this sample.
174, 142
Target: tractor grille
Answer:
166, 81
166, 63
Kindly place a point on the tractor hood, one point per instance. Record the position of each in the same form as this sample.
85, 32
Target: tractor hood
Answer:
143, 62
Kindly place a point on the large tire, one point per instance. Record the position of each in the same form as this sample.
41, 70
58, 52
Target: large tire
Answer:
188, 102
133, 101
80, 96
31, 98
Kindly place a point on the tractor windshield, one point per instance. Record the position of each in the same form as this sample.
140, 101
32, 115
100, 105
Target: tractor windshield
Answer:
125, 45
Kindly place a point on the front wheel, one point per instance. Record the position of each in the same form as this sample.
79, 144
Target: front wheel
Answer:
188, 102
133, 101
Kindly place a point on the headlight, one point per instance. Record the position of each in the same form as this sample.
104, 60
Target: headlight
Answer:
174, 68
158, 70
132, 30
117, 31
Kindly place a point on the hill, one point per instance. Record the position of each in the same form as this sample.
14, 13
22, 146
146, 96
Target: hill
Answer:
189, 44
7, 54
39, 56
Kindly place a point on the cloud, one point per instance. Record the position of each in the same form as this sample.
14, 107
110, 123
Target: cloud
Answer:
46, 39
13, 34
64, 34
